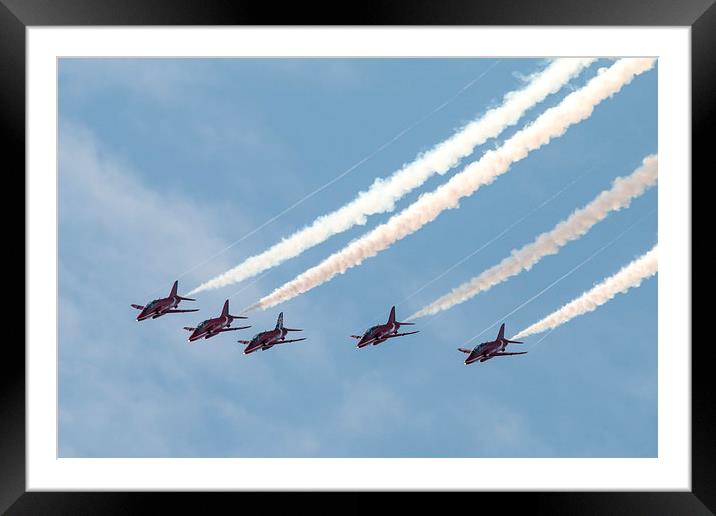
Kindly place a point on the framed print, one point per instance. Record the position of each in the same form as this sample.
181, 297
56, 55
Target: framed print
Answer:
365, 211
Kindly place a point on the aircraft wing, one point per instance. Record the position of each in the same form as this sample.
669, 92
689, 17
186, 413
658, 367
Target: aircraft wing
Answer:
189, 328
138, 307
356, 337
180, 311
230, 329
468, 351
244, 341
400, 334
504, 354
287, 341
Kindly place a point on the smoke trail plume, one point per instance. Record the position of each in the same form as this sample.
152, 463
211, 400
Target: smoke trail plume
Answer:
553, 123
623, 190
628, 277
383, 193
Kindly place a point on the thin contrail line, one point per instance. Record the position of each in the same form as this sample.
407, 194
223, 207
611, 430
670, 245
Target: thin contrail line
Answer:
533, 346
382, 196
498, 236
622, 192
628, 277
247, 285
501, 234
551, 124
382, 147
463, 89
569, 273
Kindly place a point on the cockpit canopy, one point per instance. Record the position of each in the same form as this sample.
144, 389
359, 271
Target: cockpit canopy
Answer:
152, 304
256, 337
202, 325
371, 331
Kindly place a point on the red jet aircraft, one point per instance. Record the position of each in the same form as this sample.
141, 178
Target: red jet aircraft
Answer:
165, 305
487, 350
382, 332
267, 339
212, 327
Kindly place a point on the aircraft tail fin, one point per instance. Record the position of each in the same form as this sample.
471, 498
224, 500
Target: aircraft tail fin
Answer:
279, 321
225, 312
391, 317
174, 289
501, 335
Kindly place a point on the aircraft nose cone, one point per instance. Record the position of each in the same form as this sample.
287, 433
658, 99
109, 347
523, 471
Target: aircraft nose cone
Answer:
364, 341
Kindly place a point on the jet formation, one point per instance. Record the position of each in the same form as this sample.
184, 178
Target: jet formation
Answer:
267, 339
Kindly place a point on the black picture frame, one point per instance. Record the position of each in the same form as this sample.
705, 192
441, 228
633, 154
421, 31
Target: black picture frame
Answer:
17, 15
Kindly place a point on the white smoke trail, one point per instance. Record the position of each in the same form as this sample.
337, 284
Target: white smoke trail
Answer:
334, 180
623, 191
558, 280
491, 241
628, 277
554, 122
383, 193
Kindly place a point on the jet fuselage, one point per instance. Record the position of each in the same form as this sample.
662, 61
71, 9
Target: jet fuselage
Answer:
164, 305
483, 351
265, 340
377, 334
158, 307
494, 348
210, 327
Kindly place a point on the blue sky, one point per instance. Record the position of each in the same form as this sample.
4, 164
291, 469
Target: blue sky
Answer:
163, 163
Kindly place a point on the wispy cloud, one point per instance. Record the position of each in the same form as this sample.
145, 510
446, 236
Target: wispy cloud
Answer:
117, 237
139, 390
163, 81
